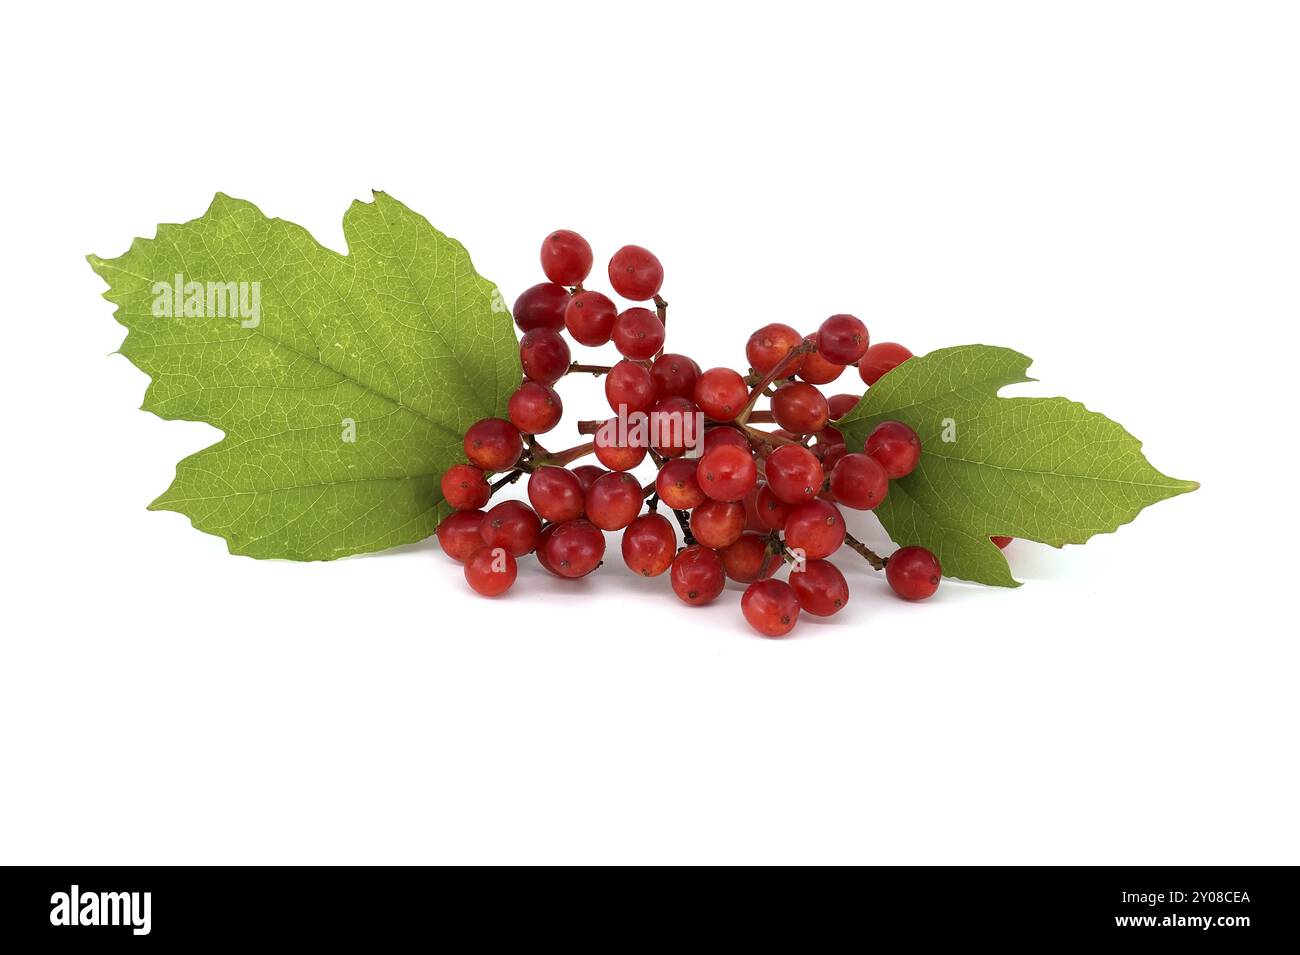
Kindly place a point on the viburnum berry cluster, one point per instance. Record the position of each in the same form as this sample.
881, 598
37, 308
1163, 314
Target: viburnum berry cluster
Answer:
746, 500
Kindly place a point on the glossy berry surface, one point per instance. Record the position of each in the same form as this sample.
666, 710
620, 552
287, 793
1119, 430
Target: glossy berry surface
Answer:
458, 534
840, 405
464, 487
794, 474
772, 511
589, 318
727, 473
544, 355
649, 545
587, 474
697, 575
677, 487
718, 523
512, 525
859, 482
800, 408
613, 501
820, 587
842, 339
618, 452
541, 306
769, 345
629, 387
638, 334
566, 257
635, 273
914, 573
770, 607
880, 359
535, 408
556, 494
716, 437
493, 444
491, 570
574, 549
816, 370
675, 376
677, 426
747, 557
721, 393
816, 528
896, 447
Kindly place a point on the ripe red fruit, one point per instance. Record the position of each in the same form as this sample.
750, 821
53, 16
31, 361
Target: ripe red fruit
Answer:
544, 355
1002, 542
858, 481
535, 408
618, 454
721, 393
464, 487
629, 385
744, 559
881, 358
820, 587
574, 549
769, 345
458, 534
557, 494
649, 544
727, 473
638, 334
718, 523
512, 525
566, 257
800, 408
715, 437
697, 575
675, 426
913, 572
816, 370
589, 318
587, 474
896, 447
491, 570
677, 487
816, 528
842, 339
493, 444
635, 273
840, 405
794, 474
541, 306
771, 607
614, 501
772, 511
675, 376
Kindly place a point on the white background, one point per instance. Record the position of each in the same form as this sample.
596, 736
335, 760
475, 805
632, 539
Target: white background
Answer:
1110, 188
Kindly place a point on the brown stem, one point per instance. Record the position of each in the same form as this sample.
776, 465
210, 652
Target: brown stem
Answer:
785, 364
561, 459
501, 482
577, 368
761, 441
871, 557
684, 522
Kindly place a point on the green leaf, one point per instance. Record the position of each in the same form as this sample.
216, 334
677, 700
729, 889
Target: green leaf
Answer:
1043, 469
399, 344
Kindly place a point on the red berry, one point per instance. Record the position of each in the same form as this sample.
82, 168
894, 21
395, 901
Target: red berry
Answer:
794, 474
820, 587
747, 557
614, 501
493, 444
816, 370
638, 334
541, 306
675, 376
880, 359
1002, 542
512, 525
772, 511
800, 408
557, 494
544, 355
842, 339
716, 437
491, 570
913, 572
896, 447
858, 481
677, 487
566, 257
697, 575
542, 559
727, 473
464, 487
676, 426
458, 534
535, 408
721, 393
816, 528
771, 607
635, 273
769, 345
574, 549
629, 387
589, 318
649, 544
718, 523
587, 474
840, 405
619, 452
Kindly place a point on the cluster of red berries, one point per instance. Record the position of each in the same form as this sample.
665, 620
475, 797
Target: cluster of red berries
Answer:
747, 500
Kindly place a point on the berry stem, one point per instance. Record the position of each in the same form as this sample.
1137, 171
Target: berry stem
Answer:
501, 482
577, 368
561, 459
761, 441
871, 557
778, 371
661, 309
684, 522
